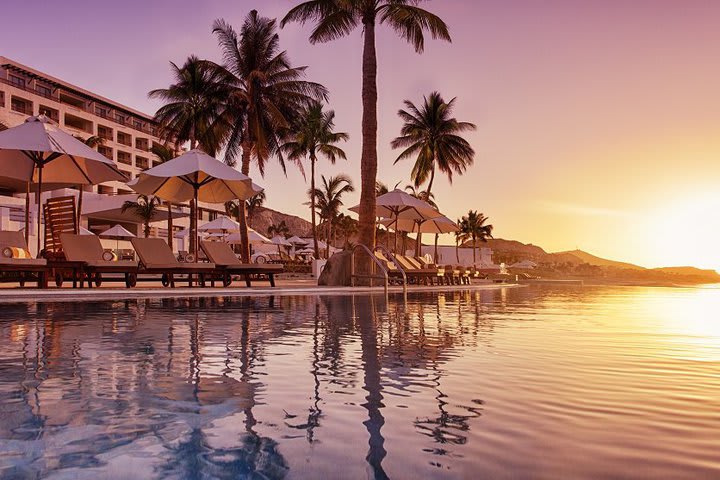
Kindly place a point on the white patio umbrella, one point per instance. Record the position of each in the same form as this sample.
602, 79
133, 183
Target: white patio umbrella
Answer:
438, 225
399, 205
222, 224
295, 240
39, 151
117, 232
85, 231
197, 176
253, 237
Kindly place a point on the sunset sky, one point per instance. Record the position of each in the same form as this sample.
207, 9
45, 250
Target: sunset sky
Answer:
598, 122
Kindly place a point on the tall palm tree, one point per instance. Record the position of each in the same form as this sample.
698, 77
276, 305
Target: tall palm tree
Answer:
266, 94
426, 197
313, 135
193, 112
338, 18
329, 201
145, 207
165, 154
473, 227
430, 134
193, 106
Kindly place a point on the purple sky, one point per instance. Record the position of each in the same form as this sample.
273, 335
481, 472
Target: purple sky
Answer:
597, 121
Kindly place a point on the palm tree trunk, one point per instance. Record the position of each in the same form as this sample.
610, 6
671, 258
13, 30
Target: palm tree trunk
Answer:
418, 243
327, 239
312, 204
27, 214
170, 225
457, 250
432, 177
474, 249
436, 251
368, 159
242, 213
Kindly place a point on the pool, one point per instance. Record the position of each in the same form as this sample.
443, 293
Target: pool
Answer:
536, 382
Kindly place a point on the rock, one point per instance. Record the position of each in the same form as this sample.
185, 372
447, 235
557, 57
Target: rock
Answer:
337, 270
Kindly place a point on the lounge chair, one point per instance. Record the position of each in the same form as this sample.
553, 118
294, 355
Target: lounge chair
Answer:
412, 274
228, 264
23, 267
428, 274
89, 250
157, 257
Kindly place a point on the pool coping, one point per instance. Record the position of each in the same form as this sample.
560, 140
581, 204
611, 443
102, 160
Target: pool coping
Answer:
12, 295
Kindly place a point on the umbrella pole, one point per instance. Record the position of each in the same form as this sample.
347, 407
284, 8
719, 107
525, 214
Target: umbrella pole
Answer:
436, 240
79, 208
39, 189
195, 217
27, 213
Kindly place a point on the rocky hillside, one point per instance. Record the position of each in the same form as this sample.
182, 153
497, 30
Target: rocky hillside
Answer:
264, 217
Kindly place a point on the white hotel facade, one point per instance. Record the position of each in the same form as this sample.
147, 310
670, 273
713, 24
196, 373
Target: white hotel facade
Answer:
128, 137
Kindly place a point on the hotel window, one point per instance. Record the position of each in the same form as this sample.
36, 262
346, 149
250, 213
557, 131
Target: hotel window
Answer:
101, 111
21, 105
78, 123
137, 124
142, 144
43, 91
141, 162
2, 99
105, 190
124, 138
122, 191
124, 157
105, 132
17, 81
106, 151
128, 173
119, 119
51, 113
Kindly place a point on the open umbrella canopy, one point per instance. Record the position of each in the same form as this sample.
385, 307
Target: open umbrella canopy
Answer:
40, 144
39, 151
85, 231
401, 205
253, 237
221, 224
280, 240
295, 240
177, 180
118, 231
440, 224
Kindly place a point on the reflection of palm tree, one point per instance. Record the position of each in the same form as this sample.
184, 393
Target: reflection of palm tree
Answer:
372, 384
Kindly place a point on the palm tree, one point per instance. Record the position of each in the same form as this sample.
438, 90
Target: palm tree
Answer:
278, 229
145, 207
428, 198
461, 236
193, 106
430, 134
251, 205
313, 134
165, 154
473, 227
266, 95
338, 18
329, 201
380, 188
193, 112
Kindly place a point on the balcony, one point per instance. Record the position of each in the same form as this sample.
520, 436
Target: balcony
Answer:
20, 105
106, 151
124, 157
78, 123
51, 113
142, 144
141, 162
106, 133
124, 139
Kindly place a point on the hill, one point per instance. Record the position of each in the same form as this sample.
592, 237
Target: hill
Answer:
264, 217
601, 262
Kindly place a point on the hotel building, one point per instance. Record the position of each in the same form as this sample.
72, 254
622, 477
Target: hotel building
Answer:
128, 137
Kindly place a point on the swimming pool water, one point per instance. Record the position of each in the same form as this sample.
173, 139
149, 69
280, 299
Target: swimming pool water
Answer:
535, 382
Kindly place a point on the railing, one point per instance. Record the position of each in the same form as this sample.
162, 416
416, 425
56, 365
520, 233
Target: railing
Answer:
392, 258
377, 263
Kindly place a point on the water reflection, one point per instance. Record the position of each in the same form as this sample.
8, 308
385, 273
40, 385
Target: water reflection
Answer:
446, 385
